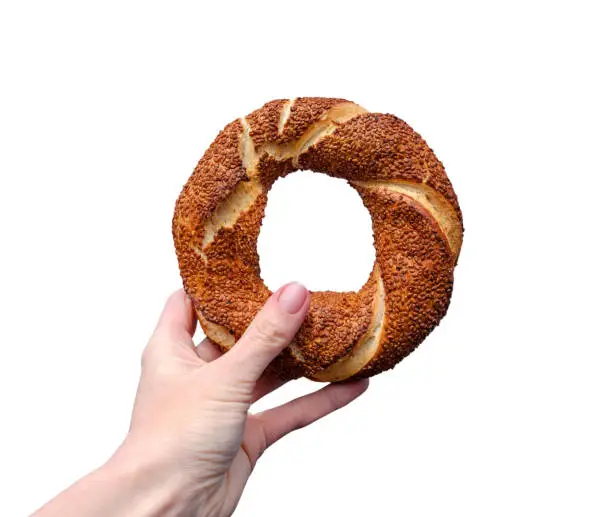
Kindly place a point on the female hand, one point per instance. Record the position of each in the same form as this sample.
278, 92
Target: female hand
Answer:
192, 443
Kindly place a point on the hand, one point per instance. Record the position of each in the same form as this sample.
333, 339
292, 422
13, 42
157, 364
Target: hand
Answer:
192, 443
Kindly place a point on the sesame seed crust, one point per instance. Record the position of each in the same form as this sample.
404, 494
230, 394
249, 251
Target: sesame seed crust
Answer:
376, 146
218, 217
305, 111
215, 176
270, 169
264, 122
417, 270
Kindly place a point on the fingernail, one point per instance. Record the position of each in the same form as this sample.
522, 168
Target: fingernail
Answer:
292, 297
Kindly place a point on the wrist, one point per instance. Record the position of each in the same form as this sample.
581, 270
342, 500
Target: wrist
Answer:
145, 486
127, 485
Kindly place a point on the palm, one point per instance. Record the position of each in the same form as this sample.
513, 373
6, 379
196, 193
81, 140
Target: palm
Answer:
205, 397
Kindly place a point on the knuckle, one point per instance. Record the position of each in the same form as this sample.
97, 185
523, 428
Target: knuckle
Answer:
300, 420
145, 357
269, 333
261, 440
334, 400
150, 356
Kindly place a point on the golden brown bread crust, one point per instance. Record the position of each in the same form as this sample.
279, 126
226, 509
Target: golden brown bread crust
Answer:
264, 122
417, 271
376, 146
416, 220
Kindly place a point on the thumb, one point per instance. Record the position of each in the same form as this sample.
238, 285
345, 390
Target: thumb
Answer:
269, 333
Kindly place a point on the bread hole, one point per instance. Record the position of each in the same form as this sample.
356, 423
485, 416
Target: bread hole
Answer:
317, 231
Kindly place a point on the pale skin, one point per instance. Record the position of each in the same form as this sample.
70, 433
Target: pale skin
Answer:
192, 443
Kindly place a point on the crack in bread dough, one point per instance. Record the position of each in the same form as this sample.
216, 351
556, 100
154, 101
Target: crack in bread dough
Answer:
240, 199
247, 150
296, 352
245, 193
366, 347
230, 209
285, 116
327, 124
218, 333
199, 252
440, 209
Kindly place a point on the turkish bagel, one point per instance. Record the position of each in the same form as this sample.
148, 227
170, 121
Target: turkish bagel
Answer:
416, 220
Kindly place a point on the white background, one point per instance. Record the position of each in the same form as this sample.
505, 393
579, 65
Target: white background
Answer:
106, 107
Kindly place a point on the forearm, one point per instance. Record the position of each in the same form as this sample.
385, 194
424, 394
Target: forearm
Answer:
120, 488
